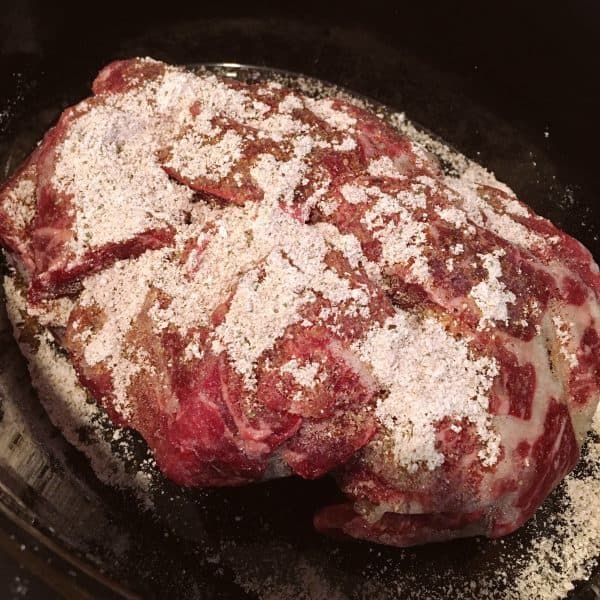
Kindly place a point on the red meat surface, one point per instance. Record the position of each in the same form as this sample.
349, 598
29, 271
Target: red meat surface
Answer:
205, 427
264, 283
17, 210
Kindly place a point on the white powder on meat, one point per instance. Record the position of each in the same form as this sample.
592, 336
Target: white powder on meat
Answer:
318, 196
279, 179
280, 126
290, 103
305, 375
267, 300
195, 159
514, 207
402, 244
481, 213
260, 310
106, 164
403, 237
246, 240
328, 206
389, 205
453, 215
384, 167
337, 119
347, 244
192, 350
491, 295
19, 203
105, 289
346, 145
354, 193
429, 375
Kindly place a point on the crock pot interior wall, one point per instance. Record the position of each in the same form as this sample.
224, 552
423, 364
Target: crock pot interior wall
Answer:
533, 66
535, 62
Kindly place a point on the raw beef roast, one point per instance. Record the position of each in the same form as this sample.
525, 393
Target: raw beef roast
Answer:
263, 283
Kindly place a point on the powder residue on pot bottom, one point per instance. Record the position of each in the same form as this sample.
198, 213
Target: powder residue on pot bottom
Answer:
544, 561
569, 551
